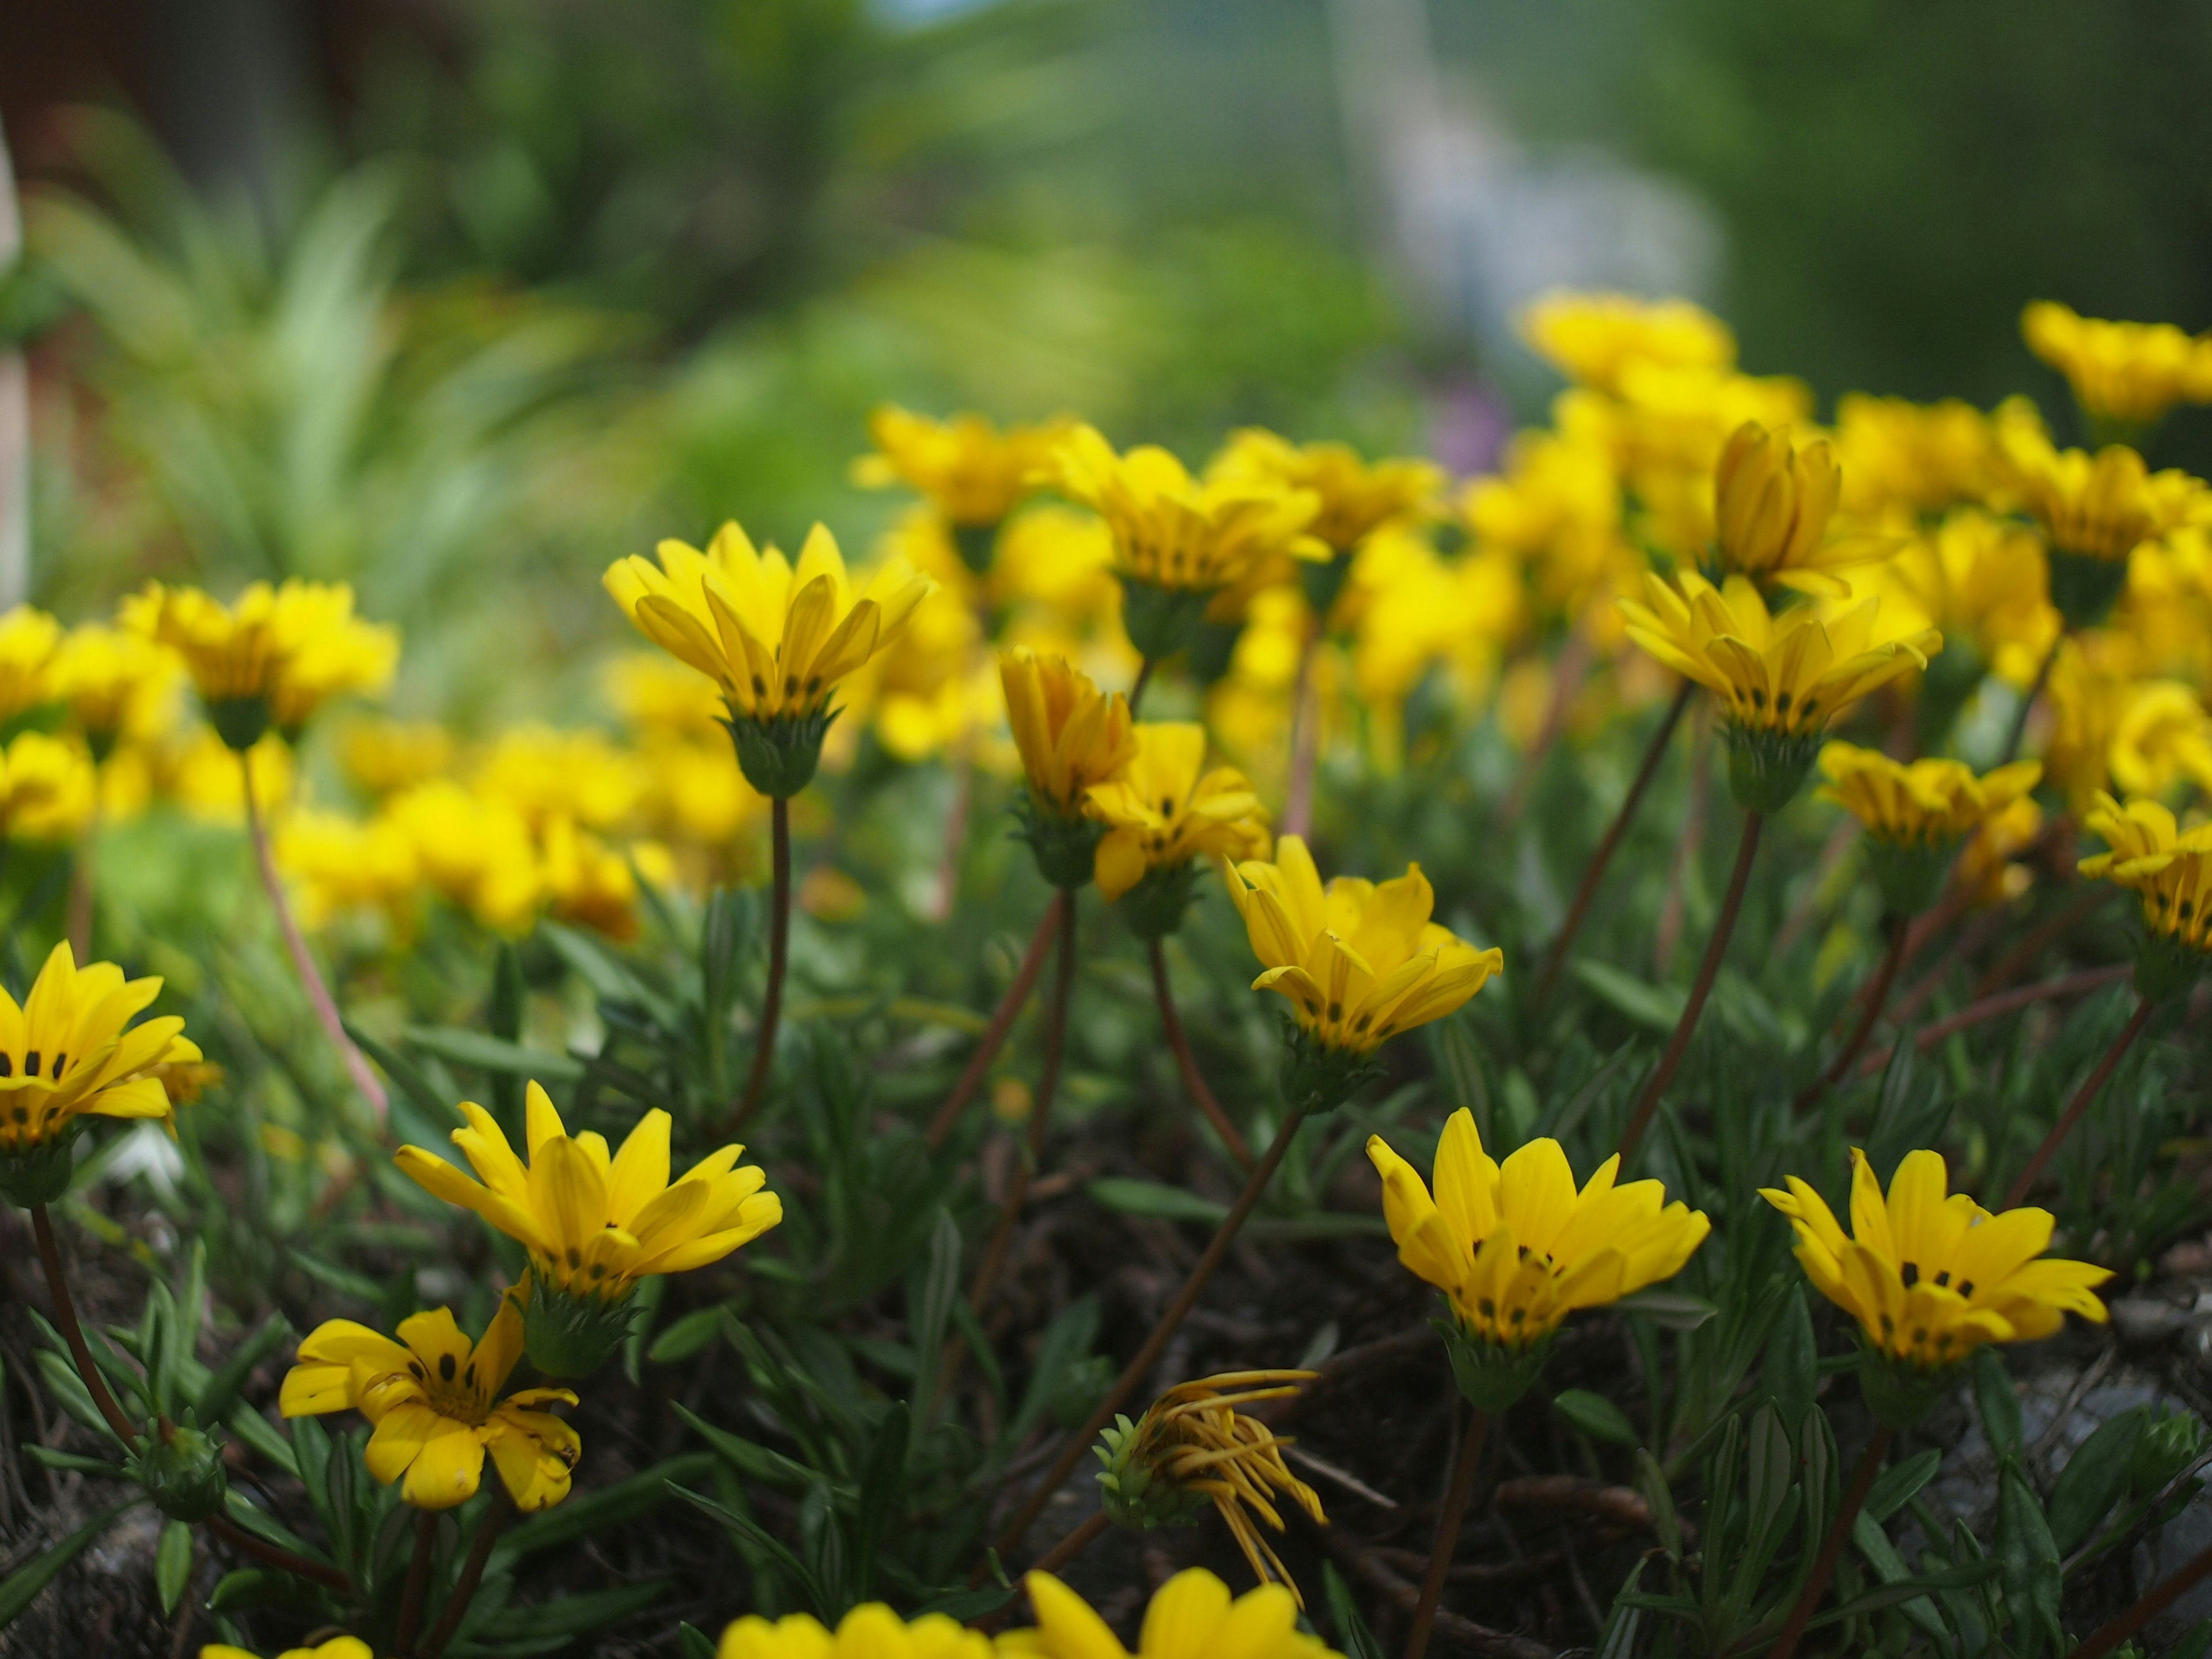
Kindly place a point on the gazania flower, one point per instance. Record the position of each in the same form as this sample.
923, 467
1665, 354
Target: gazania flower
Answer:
65, 1053
973, 472
871, 1631
338, 1646
1781, 678
2094, 511
1070, 737
1191, 1446
46, 788
2164, 734
1928, 1277
2125, 374
1917, 814
1162, 808
1979, 581
1191, 1617
434, 1399
2171, 868
776, 639
1920, 458
277, 654
1515, 1248
28, 637
1356, 497
1985, 873
1773, 501
337, 864
115, 684
1592, 338
1358, 962
595, 1224
382, 757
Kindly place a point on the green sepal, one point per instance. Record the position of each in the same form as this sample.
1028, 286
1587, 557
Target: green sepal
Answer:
240, 722
567, 1335
1154, 907
41, 1174
2085, 589
1491, 1378
1066, 848
1212, 650
1767, 769
976, 544
1161, 621
1131, 1494
1909, 874
778, 756
182, 1472
1319, 1077
1322, 581
2165, 968
1899, 1395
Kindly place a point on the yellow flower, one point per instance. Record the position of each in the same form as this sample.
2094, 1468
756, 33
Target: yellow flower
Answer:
1978, 579
2092, 683
775, 638
277, 654
337, 864
2128, 373
1191, 1617
1192, 1445
114, 684
974, 473
1162, 808
1592, 338
381, 756
434, 1399
69, 1051
1358, 962
27, 640
1919, 457
1514, 1247
338, 1646
1923, 802
872, 1631
586, 880
2164, 734
1985, 874
545, 773
2171, 868
1773, 503
595, 1224
203, 776
1069, 734
46, 788
1356, 497
2099, 506
475, 854
1175, 532
1931, 1278
1556, 508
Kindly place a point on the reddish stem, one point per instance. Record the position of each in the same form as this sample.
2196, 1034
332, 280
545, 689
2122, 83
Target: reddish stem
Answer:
1974, 1013
1876, 995
418, 1581
472, 1572
779, 950
1193, 1084
1073, 1545
994, 1034
50, 1257
1831, 1547
2088, 1091
2115, 1631
1449, 1521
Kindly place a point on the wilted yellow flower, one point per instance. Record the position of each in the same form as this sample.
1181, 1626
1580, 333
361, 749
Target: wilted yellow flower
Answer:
1193, 1447
1163, 809
2171, 868
1773, 501
974, 472
1594, 338
1070, 735
46, 788
1358, 962
1928, 1277
1920, 458
2164, 734
2127, 374
115, 684
276, 655
1514, 1247
382, 757
337, 864
434, 1399
1357, 496
1191, 1617
1916, 803
28, 637
871, 1631
69, 1051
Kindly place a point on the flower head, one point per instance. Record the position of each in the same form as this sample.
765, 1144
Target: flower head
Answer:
1191, 1617
1592, 338
115, 684
1514, 1247
871, 1631
1771, 504
338, 1646
1356, 497
1922, 458
1917, 814
1162, 808
1070, 735
2094, 511
974, 472
338, 864
70, 1050
46, 788
2126, 373
1980, 581
28, 637
1191, 1446
434, 1399
381, 758
1358, 961
2171, 867
1928, 1277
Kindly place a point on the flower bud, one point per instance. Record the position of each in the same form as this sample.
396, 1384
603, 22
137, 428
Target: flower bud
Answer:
182, 1471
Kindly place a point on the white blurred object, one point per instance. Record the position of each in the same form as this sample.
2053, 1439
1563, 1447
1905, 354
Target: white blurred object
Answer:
14, 418
147, 1150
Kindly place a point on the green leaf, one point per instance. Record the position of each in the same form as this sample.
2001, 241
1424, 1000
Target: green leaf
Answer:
746, 1528
754, 1461
687, 1336
70, 1463
1674, 1310
1596, 1416
929, 1299
410, 1077
1889, 1567
219, 1393
608, 1508
248, 1587
695, 1643
2028, 1561
2094, 1479
22, 1587
1891, 1596
173, 1564
1791, 1370
1899, 1484
881, 1484
1656, 1007
1153, 1197
457, 1047
1353, 1638
574, 1615
1999, 1404
1651, 1481
1619, 1641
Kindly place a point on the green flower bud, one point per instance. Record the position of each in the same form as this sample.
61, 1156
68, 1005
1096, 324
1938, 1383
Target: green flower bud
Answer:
182, 1472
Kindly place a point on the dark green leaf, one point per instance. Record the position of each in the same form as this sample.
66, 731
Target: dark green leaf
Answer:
1353, 1638
1999, 1403
608, 1508
881, 1485
1656, 1007
694, 1641
457, 1046
1898, 1484
1792, 1363
750, 1530
1153, 1197
173, 1564
1596, 1416
1674, 1310
687, 1336
2028, 1561
221, 1392
2094, 1479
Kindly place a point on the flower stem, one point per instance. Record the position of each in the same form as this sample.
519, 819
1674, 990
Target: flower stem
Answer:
2027, 703
1055, 1043
994, 1034
1137, 686
50, 1257
2116, 1630
1875, 996
1073, 1545
418, 1581
472, 1572
779, 949
1448, 1519
1653, 754
303, 961
1831, 1547
1135, 1373
1201, 1097
1989, 1008
268, 1554
2088, 1091
1678, 1045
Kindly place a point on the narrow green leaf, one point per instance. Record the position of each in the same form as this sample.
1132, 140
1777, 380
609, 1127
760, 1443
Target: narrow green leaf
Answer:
1596, 1416
761, 1538
1352, 1636
1791, 1368
881, 1484
1656, 1007
2028, 1560
695, 1643
457, 1047
1999, 1404
173, 1564
22, 1587
2094, 1479
1153, 1197
1898, 1484
687, 1336
220, 1392
930, 1296
608, 1508
1674, 1310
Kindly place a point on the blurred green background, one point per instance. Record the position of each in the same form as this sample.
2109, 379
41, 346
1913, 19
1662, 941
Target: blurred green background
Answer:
461, 299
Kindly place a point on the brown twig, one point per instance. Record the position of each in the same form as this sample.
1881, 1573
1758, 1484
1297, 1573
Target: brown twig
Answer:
2116, 1630
1464, 1470
472, 1572
1073, 1545
1831, 1547
1974, 1013
272, 1555
1716, 948
1875, 996
418, 1581
994, 1034
1193, 1082
1654, 753
778, 948
2088, 1091
2032, 944
1367, 1564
